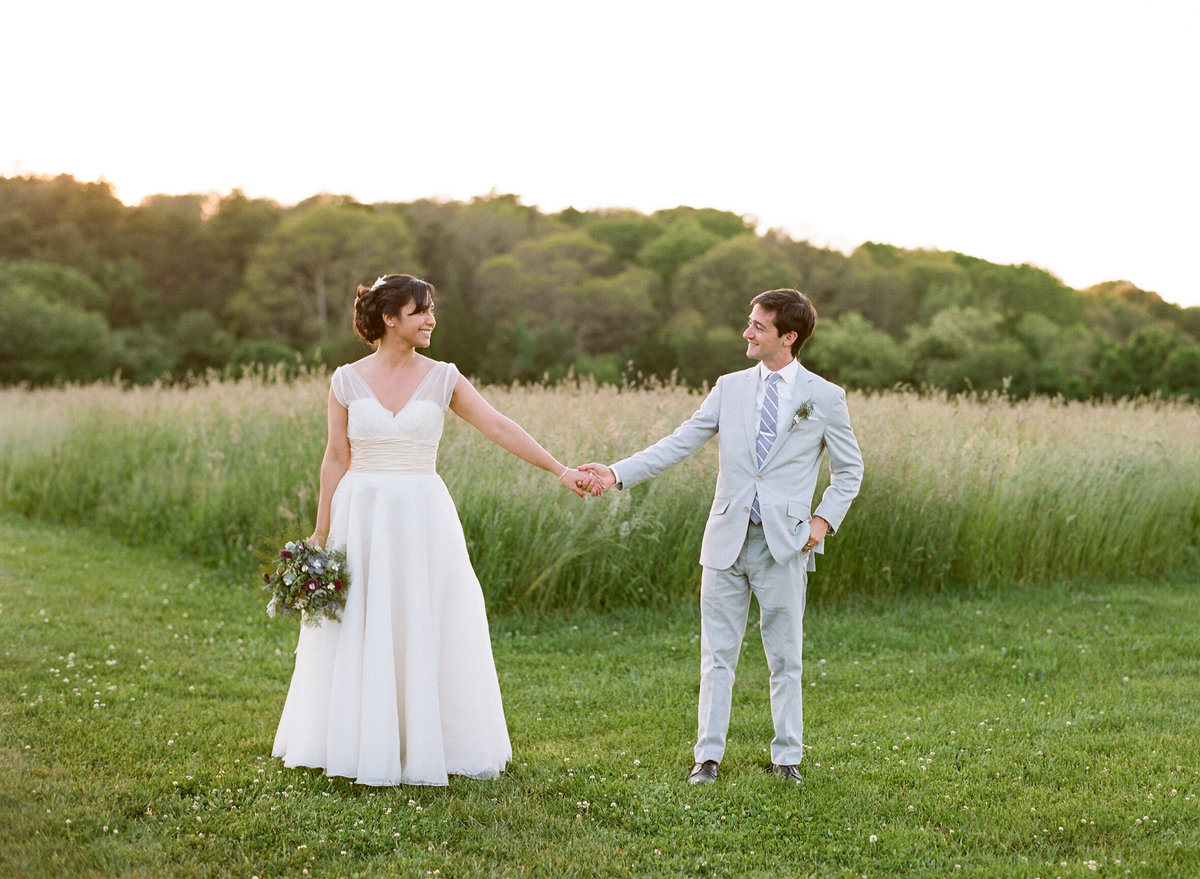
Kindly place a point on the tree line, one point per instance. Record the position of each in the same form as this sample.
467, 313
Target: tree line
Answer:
181, 285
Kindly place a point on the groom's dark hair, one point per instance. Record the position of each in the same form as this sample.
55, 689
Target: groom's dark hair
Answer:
792, 312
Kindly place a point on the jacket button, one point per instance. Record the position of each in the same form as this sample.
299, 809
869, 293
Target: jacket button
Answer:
758, 478
745, 509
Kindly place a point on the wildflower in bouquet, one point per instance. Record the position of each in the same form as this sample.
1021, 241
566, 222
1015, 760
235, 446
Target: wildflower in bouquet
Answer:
306, 581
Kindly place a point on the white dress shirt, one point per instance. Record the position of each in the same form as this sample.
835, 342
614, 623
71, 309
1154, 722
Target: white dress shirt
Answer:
787, 392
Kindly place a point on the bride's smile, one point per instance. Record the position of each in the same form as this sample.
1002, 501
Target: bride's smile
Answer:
416, 327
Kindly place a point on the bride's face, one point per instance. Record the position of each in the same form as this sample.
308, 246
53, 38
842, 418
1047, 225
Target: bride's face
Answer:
414, 327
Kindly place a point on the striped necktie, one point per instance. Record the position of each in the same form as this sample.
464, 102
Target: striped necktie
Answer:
766, 432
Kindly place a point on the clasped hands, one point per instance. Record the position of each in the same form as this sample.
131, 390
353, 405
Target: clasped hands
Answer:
588, 479
595, 479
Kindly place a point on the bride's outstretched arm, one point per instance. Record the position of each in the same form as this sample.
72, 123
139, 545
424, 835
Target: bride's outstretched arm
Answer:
334, 465
469, 405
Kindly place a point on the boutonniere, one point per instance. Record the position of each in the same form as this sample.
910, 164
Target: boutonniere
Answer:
805, 409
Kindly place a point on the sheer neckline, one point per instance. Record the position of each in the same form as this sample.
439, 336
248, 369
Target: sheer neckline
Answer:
411, 397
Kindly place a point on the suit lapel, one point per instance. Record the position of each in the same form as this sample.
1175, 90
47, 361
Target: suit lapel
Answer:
800, 392
747, 391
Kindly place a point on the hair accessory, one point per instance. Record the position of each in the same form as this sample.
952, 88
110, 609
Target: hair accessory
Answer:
379, 282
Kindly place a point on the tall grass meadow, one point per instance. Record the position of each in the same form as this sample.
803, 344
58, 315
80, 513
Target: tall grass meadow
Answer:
959, 492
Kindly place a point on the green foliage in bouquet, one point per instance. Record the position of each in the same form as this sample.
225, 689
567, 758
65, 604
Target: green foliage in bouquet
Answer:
306, 581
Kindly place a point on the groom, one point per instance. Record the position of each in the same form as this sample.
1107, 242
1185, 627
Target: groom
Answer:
774, 421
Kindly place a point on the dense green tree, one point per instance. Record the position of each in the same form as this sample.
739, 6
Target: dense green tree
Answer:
683, 240
16, 236
877, 285
55, 283
701, 352
964, 349
432, 224
821, 272
1022, 289
1062, 359
537, 275
723, 224
1136, 367
50, 341
1118, 309
267, 352
300, 283
720, 283
946, 293
849, 351
200, 343
518, 352
610, 314
529, 298
146, 355
58, 219
452, 241
625, 232
186, 283
234, 231
1181, 372
166, 235
132, 302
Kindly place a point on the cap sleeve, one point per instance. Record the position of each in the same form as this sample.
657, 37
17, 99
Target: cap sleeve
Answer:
347, 385
449, 379
337, 384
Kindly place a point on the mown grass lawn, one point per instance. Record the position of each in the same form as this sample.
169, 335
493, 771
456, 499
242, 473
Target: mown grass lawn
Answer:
1026, 732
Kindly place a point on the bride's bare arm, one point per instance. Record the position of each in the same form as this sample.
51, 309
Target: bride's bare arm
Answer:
334, 465
469, 405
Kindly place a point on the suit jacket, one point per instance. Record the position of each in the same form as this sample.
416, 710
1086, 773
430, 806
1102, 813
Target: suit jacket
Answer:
787, 480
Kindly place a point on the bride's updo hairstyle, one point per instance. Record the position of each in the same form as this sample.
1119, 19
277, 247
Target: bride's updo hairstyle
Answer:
389, 295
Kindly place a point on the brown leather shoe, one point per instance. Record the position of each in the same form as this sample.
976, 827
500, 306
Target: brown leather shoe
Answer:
704, 773
787, 773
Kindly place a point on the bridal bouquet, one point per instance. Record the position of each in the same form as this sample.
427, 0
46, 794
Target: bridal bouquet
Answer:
307, 582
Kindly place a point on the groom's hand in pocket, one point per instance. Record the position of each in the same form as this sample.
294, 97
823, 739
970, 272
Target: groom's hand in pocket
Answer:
818, 529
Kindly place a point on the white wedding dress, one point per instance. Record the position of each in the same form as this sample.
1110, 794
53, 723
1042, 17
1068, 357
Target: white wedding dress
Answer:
403, 689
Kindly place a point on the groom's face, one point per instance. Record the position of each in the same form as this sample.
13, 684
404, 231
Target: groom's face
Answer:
763, 341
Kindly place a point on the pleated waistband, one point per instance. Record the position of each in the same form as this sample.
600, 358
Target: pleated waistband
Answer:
393, 455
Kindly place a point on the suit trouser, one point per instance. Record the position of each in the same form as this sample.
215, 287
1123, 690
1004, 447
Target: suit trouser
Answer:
724, 605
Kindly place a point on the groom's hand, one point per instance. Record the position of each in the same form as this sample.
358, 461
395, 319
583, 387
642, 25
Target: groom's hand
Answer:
604, 475
818, 529
581, 483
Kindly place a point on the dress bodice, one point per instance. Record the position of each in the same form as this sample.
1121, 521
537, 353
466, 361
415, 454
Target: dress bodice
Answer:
382, 441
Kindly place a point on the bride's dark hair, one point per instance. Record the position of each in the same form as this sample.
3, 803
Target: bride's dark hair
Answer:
388, 295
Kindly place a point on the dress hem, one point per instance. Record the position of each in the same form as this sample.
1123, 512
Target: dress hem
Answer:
486, 775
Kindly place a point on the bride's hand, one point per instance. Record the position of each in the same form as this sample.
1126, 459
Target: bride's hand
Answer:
579, 482
317, 540
605, 478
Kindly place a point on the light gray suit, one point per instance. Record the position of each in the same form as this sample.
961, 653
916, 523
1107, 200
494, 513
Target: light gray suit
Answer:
740, 558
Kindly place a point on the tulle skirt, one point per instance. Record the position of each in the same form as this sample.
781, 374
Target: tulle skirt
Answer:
403, 689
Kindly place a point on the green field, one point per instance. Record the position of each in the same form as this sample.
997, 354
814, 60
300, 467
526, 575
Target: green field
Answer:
1019, 733
1000, 649
958, 493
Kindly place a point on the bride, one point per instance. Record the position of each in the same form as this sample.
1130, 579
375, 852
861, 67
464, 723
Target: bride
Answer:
403, 689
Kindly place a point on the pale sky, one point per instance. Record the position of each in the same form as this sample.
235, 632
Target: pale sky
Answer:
1063, 134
